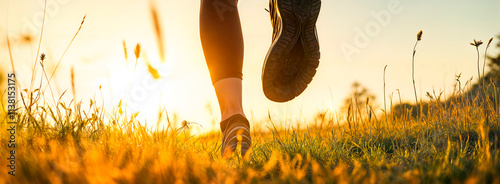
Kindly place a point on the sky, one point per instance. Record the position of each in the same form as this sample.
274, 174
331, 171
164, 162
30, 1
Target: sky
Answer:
357, 39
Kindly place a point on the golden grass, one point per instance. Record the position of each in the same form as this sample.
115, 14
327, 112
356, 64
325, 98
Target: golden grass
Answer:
158, 31
82, 146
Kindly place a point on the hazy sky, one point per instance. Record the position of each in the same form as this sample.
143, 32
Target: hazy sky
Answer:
357, 39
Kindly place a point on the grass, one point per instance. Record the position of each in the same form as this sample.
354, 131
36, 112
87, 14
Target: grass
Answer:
88, 145
60, 142
69, 143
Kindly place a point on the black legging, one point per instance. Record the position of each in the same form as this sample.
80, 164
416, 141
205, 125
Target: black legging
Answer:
221, 38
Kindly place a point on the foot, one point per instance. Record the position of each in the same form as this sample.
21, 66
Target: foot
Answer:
235, 129
293, 57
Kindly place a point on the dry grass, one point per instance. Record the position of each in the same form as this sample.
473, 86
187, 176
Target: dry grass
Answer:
158, 31
81, 145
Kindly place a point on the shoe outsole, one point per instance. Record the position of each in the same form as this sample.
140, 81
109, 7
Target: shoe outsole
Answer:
298, 21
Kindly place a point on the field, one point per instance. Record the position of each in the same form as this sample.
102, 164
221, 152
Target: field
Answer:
456, 141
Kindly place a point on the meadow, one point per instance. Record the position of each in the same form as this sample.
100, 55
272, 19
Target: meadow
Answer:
456, 142
452, 139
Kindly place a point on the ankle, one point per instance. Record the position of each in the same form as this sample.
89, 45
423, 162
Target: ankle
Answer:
225, 114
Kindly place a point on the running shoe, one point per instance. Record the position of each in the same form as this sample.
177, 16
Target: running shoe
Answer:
293, 57
235, 129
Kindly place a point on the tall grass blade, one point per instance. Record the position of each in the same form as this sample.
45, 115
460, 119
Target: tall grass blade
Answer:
158, 31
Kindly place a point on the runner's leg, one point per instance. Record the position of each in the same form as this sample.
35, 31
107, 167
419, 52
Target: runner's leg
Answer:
222, 42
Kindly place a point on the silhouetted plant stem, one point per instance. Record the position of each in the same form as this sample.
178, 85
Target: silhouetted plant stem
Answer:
484, 62
385, 106
485, 89
419, 37
478, 71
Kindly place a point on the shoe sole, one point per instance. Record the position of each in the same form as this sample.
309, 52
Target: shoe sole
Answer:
283, 77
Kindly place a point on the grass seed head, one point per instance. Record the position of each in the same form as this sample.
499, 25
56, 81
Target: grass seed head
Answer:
489, 42
419, 35
42, 57
476, 43
158, 31
73, 81
125, 50
83, 20
137, 51
153, 71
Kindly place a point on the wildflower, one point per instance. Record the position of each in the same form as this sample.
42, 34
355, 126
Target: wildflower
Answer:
476, 43
419, 35
489, 42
